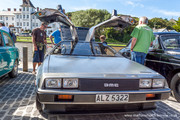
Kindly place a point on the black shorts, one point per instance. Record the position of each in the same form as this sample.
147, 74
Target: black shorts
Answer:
38, 56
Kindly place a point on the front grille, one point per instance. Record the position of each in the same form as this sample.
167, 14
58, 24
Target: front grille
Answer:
108, 84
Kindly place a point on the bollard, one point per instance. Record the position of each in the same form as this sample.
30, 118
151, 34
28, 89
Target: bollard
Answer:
25, 59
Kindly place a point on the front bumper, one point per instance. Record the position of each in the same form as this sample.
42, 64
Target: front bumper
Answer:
88, 97
86, 101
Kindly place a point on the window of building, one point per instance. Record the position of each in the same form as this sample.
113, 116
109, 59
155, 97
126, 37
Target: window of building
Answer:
27, 8
27, 23
33, 24
6, 18
20, 23
13, 24
27, 16
6, 24
33, 16
24, 23
17, 23
7, 39
24, 16
36, 24
1, 17
17, 16
12, 18
23, 8
20, 16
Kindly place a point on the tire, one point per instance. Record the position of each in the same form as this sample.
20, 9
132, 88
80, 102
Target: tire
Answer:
38, 105
14, 71
175, 86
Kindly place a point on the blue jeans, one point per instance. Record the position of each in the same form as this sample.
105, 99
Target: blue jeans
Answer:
138, 57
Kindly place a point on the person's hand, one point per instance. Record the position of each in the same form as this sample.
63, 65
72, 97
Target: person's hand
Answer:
35, 48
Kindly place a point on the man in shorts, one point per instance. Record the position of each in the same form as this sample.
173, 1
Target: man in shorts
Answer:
39, 42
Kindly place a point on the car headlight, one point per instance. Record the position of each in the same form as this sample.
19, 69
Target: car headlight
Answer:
70, 83
145, 83
53, 83
158, 83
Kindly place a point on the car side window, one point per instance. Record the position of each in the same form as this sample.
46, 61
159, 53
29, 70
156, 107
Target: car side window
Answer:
155, 44
7, 39
1, 40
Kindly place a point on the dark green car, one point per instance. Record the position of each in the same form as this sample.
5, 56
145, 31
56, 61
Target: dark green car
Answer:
9, 55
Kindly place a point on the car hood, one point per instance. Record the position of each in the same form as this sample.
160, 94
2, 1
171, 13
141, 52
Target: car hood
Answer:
90, 66
49, 15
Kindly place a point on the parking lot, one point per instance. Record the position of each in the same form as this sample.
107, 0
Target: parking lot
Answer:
17, 102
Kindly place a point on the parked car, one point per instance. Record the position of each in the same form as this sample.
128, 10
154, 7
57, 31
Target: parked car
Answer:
9, 55
164, 57
78, 75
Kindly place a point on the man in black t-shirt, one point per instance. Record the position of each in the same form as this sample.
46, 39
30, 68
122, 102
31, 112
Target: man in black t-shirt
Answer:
39, 42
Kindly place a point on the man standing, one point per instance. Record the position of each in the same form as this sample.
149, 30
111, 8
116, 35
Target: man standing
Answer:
39, 41
57, 36
142, 38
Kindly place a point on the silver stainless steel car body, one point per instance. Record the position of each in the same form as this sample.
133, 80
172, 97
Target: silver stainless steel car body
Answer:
98, 74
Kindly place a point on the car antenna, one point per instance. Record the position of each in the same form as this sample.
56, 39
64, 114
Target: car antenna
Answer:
114, 13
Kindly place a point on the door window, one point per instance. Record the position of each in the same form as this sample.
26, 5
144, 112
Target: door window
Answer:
7, 39
155, 44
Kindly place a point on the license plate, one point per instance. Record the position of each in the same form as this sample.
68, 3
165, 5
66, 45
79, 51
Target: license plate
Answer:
112, 97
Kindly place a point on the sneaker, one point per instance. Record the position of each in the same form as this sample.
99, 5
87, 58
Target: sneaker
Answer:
33, 72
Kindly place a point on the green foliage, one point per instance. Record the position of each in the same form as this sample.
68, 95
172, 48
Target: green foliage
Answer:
161, 23
91, 17
88, 18
177, 26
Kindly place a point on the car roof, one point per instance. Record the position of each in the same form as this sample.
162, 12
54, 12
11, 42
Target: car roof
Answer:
165, 33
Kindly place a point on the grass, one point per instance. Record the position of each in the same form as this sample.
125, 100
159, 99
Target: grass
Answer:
29, 39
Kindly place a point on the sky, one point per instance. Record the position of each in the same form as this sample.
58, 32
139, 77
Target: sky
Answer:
136, 8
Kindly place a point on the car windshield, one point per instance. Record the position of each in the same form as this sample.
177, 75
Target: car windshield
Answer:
171, 41
82, 48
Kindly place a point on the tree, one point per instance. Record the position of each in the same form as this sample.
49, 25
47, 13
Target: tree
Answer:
88, 18
177, 26
157, 23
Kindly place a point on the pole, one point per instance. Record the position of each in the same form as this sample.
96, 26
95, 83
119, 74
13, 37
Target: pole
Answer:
25, 59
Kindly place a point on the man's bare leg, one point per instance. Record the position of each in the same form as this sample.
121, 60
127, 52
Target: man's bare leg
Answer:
34, 67
39, 64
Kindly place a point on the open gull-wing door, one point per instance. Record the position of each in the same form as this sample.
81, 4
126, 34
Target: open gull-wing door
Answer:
119, 22
48, 15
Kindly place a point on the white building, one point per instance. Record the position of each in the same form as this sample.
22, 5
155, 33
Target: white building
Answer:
22, 20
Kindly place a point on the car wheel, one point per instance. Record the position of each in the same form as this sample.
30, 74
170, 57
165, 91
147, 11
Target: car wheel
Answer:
175, 86
38, 105
14, 71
